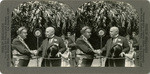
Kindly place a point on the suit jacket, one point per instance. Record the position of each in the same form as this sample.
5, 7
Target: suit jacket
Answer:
84, 47
46, 45
120, 40
19, 49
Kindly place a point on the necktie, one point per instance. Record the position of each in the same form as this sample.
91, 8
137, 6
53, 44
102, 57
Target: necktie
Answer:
114, 40
50, 40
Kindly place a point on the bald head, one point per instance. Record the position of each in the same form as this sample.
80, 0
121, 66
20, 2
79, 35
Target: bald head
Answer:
50, 28
49, 32
114, 31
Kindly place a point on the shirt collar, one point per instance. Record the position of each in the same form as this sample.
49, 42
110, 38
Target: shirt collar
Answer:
51, 37
116, 36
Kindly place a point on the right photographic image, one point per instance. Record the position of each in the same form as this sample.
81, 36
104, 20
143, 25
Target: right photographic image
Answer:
110, 30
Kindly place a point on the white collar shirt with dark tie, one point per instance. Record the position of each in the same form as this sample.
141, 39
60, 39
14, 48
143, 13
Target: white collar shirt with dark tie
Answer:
115, 39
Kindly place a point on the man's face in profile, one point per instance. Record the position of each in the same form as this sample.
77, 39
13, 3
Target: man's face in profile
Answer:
113, 32
87, 33
49, 33
23, 34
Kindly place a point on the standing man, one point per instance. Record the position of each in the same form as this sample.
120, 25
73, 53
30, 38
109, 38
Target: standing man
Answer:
115, 47
52, 48
85, 50
20, 51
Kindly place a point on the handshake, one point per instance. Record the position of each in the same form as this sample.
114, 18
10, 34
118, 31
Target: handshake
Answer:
34, 52
98, 51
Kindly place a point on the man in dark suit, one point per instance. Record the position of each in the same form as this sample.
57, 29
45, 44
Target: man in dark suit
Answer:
85, 50
114, 45
52, 47
20, 51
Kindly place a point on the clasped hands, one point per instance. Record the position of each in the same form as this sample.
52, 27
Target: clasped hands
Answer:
122, 54
97, 51
34, 52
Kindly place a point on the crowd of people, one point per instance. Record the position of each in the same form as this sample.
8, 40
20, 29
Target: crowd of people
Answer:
65, 51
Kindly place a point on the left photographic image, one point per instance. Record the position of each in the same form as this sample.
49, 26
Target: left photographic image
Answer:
39, 34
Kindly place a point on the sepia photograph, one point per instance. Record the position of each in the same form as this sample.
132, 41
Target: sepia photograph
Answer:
74, 36
52, 34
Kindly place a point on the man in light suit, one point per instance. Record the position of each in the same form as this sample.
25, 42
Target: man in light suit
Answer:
20, 51
85, 50
115, 47
52, 47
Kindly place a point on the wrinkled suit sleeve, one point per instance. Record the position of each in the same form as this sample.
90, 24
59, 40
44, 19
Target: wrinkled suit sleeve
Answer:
20, 48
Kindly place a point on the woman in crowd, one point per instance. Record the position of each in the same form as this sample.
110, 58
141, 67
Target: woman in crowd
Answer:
130, 57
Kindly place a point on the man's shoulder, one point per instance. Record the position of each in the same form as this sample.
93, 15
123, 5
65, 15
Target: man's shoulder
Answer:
15, 40
109, 39
44, 40
56, 37
121, 37
79, 39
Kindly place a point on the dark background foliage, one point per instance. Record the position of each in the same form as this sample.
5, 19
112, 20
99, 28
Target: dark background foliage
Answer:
41, 14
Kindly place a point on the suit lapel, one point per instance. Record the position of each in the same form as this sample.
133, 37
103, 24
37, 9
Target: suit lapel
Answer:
50, 44
87, 43
84, 41
24, 44
112, 44
47, 43
115, 42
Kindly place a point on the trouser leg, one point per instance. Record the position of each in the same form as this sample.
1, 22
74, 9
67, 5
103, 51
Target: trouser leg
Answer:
119, 62
55, 62
86, 62
23, 63
45, 63
109, 63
